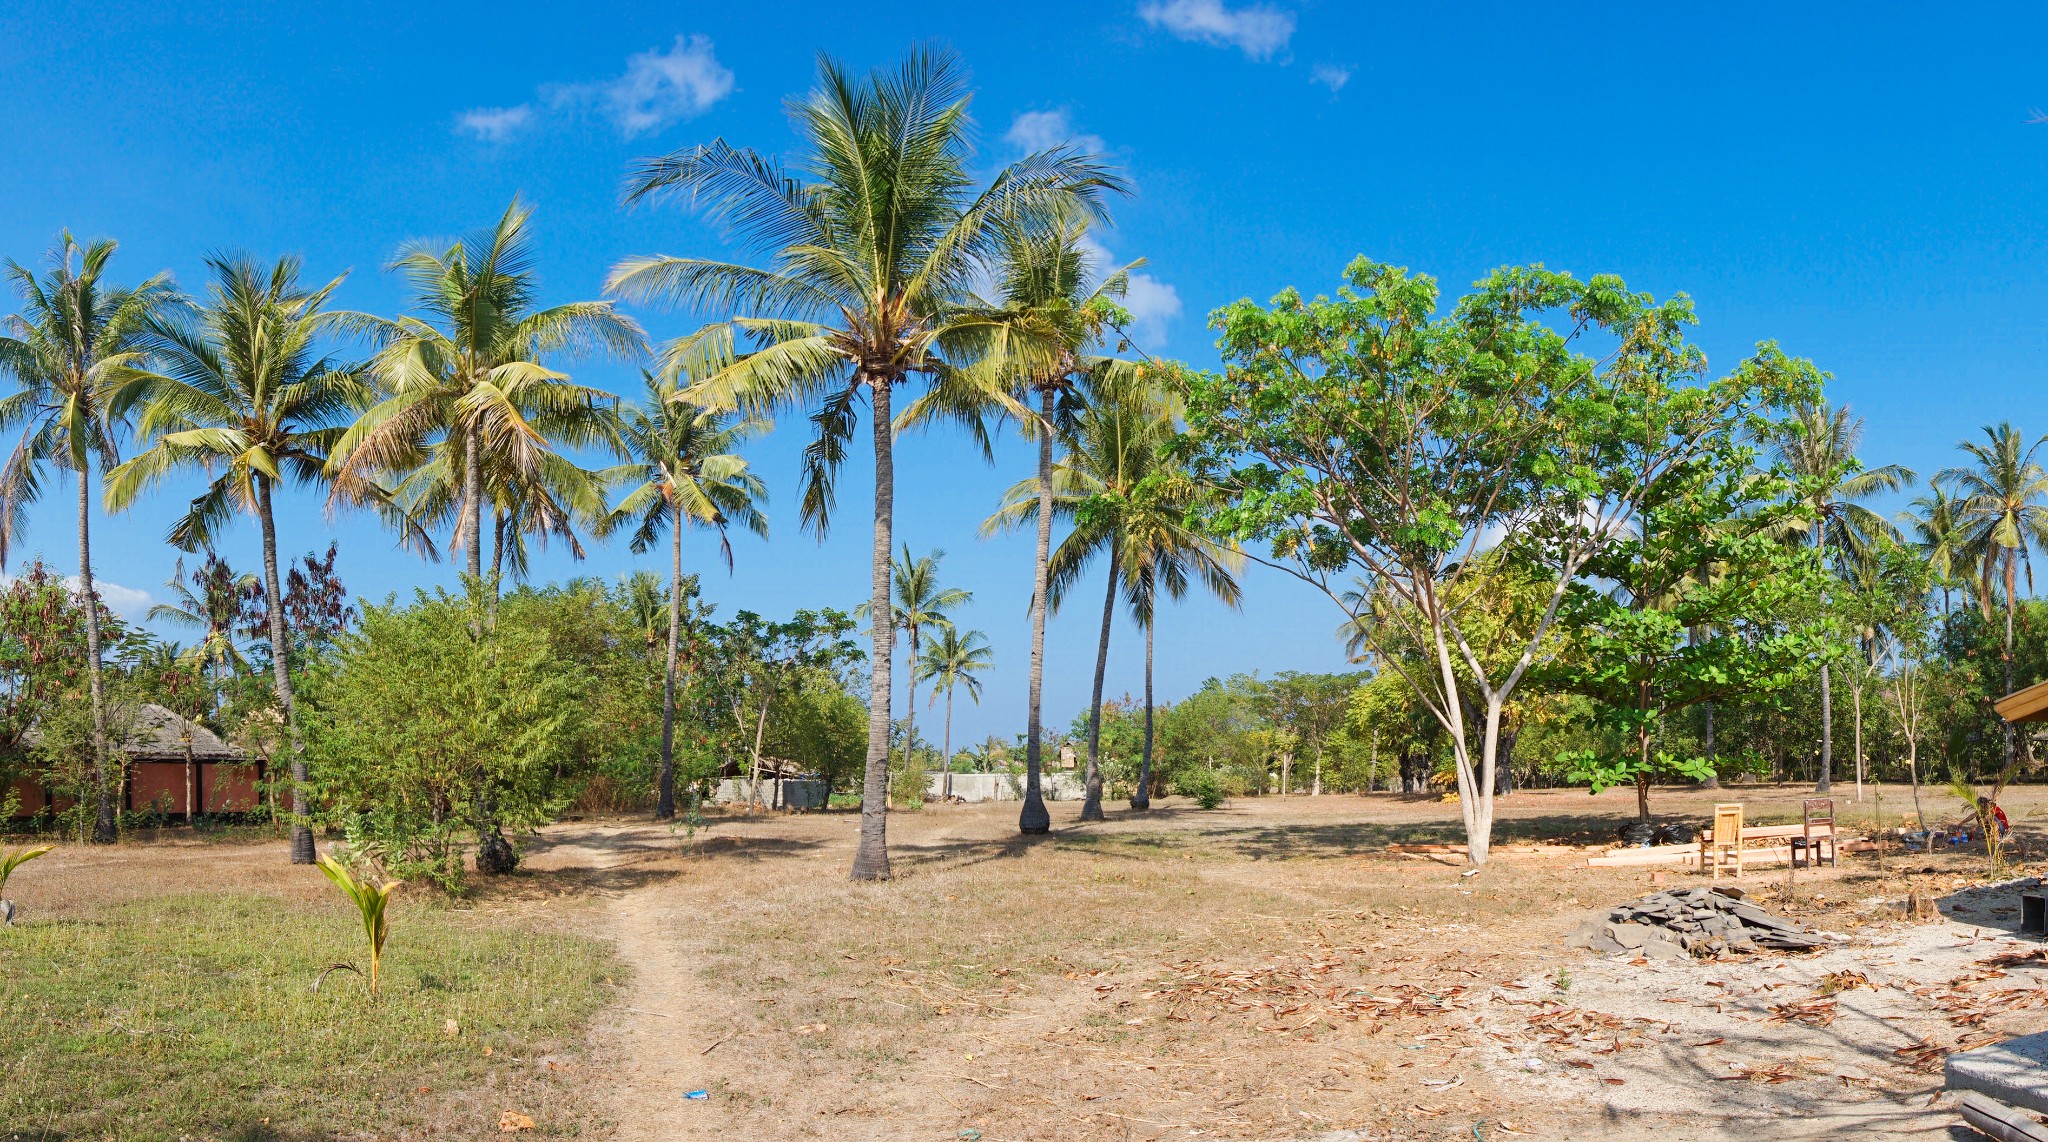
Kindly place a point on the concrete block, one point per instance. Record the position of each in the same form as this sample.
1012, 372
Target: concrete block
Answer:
2014, 1072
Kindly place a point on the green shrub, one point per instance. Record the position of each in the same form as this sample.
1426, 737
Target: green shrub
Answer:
1204, 785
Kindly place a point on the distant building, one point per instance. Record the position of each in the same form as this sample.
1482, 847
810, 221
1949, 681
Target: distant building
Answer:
165, 756
1068, 758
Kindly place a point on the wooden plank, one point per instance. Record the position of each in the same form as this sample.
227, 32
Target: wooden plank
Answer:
2028, 705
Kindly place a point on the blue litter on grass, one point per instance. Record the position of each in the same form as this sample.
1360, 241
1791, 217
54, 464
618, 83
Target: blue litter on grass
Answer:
698, 1094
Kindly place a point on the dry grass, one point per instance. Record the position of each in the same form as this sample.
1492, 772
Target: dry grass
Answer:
1269, 970
1263, 971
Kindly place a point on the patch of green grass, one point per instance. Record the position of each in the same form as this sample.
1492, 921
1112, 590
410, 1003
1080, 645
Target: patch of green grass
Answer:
195, 1016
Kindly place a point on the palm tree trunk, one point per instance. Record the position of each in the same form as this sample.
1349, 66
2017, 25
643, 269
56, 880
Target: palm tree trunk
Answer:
2011, 589
948, 764
1034, 819
1091, 808
665, 785
280, 670
472, 505
1827, 701
1142, 799
871, 859
911, 796
103, 822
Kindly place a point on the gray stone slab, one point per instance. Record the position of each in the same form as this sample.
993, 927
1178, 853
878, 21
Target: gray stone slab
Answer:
2014, 1072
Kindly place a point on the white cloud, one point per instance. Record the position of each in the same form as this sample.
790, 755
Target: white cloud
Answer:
495, 124
1044, 130
124, 601
1153, 304
1330, 75
1258, 30
657, 89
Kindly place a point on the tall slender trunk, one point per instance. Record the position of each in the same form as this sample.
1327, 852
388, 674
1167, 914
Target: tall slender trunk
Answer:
760, 731
191, 784
472, 503
1034, 818
665, 786
280, 671
915, 795
1827, 700
1713, 780
1856, 697
1091, 807
2011, 587
104, 830
1142, 799
947, 781
871, 859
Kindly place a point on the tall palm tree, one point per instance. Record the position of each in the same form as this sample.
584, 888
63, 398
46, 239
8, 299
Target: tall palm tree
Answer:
215, 601
954, 659
2001, 509
872, 243
920, 605
1163, 554
1049, 322
75, 350
683, 471
1113, 448
243, 394
463, 385
1817, 445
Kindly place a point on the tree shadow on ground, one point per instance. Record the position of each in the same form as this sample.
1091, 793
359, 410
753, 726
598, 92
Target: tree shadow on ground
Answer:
1285, 842
1994, 906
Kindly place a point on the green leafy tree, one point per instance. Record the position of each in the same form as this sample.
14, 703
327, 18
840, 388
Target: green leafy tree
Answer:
684, 471
1313, 708
1699, 602
75, 349
435, 729
1366, 434
874, 241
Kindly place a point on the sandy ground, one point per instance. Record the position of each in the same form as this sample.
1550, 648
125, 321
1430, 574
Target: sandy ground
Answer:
1173, 975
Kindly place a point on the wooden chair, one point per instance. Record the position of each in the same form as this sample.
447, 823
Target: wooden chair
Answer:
1817, 830
1725, 842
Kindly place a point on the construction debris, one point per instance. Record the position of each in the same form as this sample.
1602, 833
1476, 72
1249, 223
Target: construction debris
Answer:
1699, 921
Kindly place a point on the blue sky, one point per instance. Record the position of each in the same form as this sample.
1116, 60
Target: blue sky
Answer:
1860, 183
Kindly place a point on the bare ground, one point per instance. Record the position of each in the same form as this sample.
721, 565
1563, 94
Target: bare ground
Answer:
1271, 970
1265, 971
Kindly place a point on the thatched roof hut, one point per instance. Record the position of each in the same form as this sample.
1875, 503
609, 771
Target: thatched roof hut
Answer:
173, 763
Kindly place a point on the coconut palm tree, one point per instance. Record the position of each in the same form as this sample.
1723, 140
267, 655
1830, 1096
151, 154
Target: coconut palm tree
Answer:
75, 350
954, 659
1817, 445
464, 388
215, 601
1163, 554
683, 471
872, 243
647, 601
2001, 511
1051, 318
920, 606
1113, 447
242, 393
1933, 525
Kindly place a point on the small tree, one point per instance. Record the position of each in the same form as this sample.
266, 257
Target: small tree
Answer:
1699, 602
436, 727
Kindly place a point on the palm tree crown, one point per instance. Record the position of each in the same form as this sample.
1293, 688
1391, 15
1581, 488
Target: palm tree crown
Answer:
464, 389
872, 243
